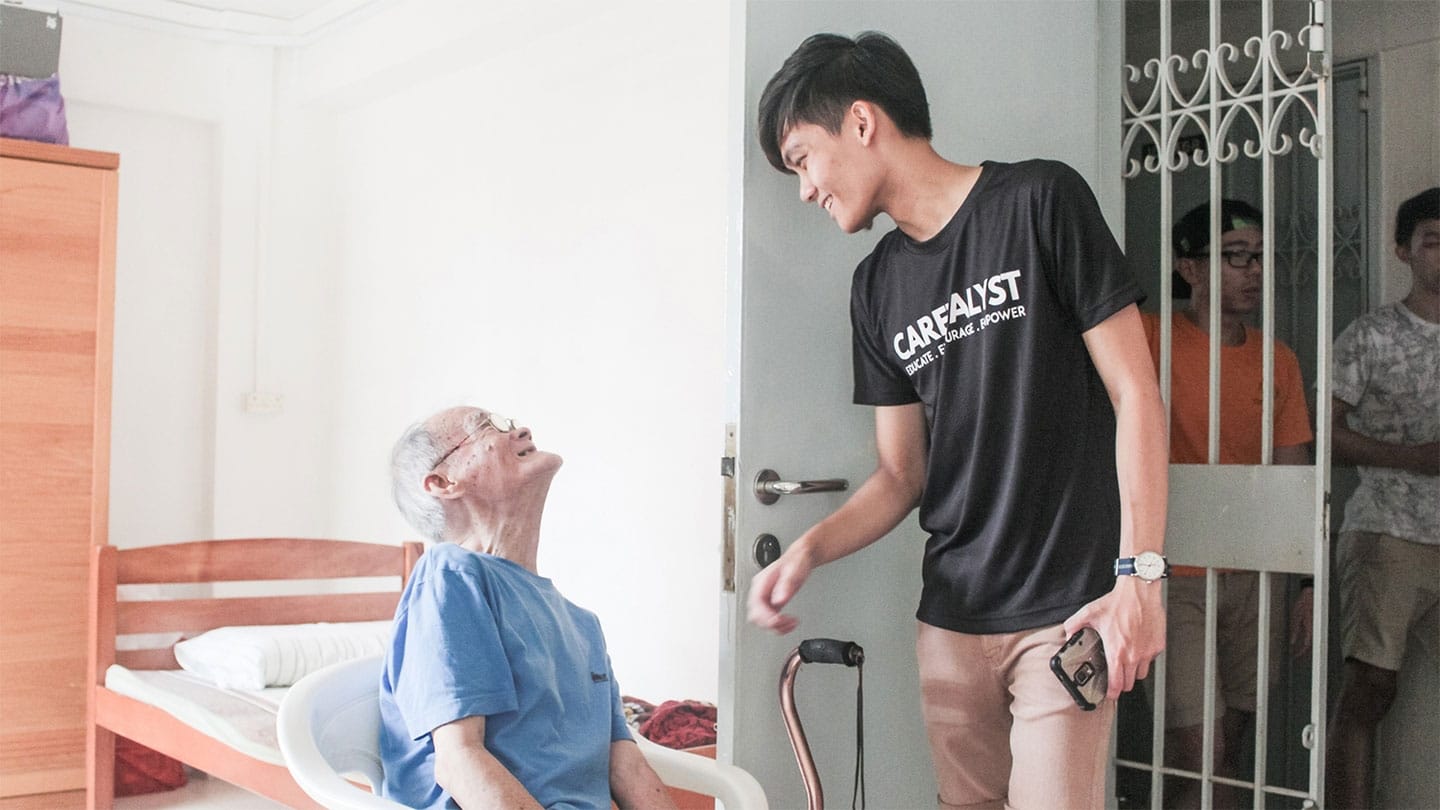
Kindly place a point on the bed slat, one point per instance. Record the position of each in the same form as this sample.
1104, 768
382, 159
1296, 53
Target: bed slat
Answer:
258, 559
147, 659
195, 615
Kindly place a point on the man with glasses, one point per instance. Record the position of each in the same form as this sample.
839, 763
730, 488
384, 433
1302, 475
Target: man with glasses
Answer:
497, 691
1241, 377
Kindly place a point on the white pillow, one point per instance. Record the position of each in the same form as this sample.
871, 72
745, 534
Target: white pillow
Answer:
259, 656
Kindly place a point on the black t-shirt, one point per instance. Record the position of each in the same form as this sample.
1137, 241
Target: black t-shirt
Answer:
983, 324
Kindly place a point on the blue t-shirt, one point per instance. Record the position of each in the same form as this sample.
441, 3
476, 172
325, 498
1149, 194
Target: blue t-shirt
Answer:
479, 635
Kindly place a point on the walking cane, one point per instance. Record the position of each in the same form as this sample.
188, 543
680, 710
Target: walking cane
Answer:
822, 651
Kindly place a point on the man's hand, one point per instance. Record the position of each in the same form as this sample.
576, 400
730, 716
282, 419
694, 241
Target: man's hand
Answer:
880, 503
1131, 622
1131, 618
775, 586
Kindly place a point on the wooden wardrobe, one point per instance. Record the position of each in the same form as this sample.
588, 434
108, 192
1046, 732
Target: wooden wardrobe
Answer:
57, 295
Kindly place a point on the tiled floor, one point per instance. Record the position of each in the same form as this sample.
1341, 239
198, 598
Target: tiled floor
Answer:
202, 793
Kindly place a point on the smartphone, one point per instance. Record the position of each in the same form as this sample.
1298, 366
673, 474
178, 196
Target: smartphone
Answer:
1080, 666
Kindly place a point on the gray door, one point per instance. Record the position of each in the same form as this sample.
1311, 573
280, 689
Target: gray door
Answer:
1006, 81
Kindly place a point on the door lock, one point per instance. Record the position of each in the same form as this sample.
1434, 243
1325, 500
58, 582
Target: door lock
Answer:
767, 550
769, 487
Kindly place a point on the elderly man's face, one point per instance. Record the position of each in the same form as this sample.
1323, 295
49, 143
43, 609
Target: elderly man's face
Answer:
488, 451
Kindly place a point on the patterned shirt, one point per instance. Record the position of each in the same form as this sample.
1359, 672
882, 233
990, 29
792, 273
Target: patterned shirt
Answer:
1387, 368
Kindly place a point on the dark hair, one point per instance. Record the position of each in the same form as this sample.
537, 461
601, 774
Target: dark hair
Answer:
829, 72
1417, 209
1191, 235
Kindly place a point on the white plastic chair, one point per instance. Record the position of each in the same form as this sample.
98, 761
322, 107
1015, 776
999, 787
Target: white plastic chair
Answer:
329, 729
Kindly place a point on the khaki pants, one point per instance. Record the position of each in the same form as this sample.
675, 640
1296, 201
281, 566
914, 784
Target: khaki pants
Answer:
1237, 645
1003, 731
1387, 586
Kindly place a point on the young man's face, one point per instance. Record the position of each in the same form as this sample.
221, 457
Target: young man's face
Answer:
1422, 253
1240, 287
836, 172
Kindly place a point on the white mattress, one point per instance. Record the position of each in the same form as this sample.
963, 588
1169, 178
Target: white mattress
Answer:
240, 718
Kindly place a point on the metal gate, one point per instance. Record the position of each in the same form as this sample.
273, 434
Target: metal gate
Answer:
1218, 98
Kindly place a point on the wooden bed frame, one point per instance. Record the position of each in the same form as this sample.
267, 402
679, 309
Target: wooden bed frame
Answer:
204, 562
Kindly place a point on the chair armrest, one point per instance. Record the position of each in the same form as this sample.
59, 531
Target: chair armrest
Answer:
733, 786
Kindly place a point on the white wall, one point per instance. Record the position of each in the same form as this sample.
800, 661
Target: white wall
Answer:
1409, 146
1401, 38
200, 236
162, 394
159, 112
523, 208
536, 223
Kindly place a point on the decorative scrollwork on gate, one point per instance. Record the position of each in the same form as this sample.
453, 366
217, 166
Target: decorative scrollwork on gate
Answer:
1171, 127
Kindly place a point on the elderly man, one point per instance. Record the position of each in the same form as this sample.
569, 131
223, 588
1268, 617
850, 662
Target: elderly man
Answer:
497, 691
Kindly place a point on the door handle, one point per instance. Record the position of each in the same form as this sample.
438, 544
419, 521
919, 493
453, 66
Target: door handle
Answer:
769, 487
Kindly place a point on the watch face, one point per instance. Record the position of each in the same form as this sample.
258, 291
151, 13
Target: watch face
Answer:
1149, 565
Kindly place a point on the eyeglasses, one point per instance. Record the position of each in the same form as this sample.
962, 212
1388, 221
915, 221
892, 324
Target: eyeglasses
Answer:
502, 424
1241, 259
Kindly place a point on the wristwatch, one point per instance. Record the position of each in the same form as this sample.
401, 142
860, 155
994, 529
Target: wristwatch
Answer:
1147, 565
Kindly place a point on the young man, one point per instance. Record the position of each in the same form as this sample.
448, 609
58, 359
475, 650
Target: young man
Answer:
996, 334
1386, 422
1241, 396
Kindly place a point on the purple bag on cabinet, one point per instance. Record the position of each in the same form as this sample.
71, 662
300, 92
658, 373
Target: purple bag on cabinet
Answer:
32, 109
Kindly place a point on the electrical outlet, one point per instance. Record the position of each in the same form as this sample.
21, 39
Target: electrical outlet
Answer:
263, 402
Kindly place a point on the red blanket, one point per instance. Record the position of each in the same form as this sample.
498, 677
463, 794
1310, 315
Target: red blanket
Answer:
141, 770
681, 724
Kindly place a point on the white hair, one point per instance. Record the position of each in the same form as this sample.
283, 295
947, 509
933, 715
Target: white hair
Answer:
414, 456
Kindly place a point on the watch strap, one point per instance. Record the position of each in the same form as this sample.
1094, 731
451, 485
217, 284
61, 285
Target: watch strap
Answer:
1125, 566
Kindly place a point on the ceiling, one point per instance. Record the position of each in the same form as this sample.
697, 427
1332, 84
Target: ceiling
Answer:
273, 21
274, 9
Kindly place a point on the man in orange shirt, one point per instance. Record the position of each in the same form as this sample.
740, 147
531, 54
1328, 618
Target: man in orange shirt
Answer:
1241, 418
